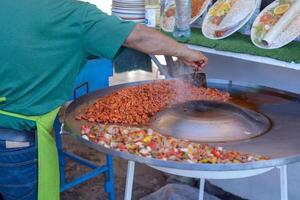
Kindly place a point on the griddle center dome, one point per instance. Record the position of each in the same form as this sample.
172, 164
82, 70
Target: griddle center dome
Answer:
210, 121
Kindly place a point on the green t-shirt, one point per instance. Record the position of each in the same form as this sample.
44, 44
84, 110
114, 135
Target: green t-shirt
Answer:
43, 46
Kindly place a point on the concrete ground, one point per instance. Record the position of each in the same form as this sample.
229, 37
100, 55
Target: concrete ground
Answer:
146, 180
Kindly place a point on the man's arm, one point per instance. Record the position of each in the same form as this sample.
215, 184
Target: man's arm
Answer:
152, 42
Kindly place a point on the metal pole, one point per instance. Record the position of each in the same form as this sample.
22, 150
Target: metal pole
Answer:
201, 189
109, 184
129, 180
283, 182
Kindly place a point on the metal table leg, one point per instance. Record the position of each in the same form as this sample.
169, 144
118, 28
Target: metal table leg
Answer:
283, 182
129, 180
201, 188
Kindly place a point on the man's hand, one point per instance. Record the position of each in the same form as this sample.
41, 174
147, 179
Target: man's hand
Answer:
193, 58
152, 42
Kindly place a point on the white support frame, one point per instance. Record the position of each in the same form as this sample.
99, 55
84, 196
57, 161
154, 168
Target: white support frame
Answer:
201, 189
283, 182
129, 180
209, 174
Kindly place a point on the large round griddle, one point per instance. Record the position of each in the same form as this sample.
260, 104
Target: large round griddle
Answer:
281, 142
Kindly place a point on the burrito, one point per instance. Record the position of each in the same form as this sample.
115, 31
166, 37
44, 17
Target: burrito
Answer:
290, 33
237, 14
226, 15
282, 24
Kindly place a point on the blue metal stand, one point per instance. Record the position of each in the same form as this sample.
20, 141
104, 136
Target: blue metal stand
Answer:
96, 170
95, 75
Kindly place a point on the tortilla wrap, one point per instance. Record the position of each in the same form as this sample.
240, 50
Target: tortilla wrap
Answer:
282, 24
289, 34
240, 10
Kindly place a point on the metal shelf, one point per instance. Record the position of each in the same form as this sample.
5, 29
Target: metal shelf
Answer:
248, 57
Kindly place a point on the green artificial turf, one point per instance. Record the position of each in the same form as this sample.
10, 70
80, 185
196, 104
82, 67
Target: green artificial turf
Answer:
242, 44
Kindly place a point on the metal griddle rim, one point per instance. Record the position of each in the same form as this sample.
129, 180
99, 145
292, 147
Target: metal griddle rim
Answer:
185, 165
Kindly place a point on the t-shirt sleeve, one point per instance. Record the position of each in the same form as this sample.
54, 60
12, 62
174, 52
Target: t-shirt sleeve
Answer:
102, 34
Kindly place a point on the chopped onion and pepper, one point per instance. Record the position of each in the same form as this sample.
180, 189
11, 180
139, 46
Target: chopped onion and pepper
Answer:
147, 143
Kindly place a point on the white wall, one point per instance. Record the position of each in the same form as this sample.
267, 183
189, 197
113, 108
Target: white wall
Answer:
104, 5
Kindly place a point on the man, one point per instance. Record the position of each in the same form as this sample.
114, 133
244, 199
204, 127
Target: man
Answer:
43, 46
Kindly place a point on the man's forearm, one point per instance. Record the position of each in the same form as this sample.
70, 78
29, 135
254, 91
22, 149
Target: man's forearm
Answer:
150, 41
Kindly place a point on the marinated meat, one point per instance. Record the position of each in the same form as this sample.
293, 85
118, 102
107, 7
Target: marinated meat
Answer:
136, 105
